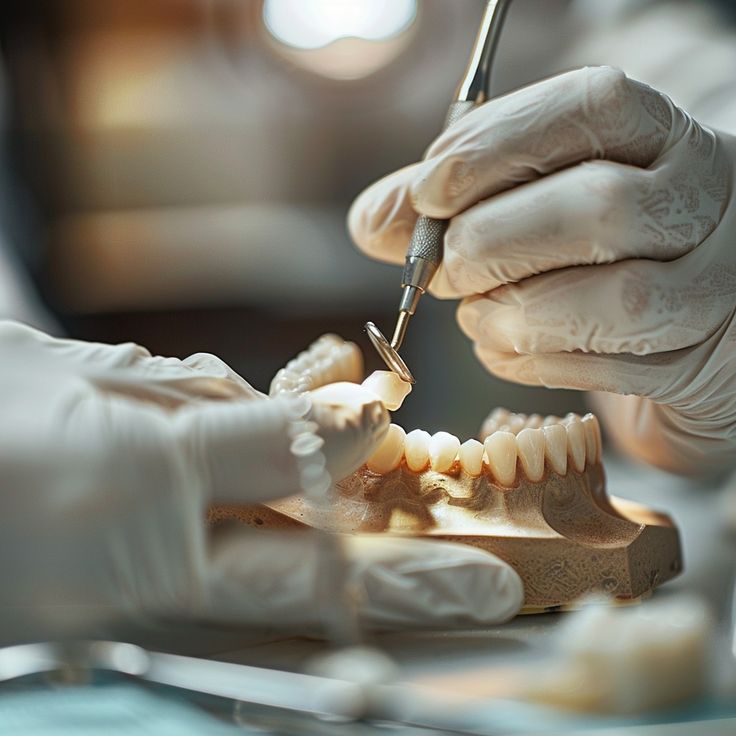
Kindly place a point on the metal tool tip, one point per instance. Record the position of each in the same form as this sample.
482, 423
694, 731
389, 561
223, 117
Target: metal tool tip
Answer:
400, 330
390, 357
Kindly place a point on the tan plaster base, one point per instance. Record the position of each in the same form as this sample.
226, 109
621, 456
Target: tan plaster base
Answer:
564, 535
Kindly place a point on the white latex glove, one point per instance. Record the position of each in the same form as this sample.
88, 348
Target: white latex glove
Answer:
109, 458
593, 236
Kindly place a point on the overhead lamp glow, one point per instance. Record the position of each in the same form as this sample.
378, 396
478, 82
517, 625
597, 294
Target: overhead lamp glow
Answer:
314, 24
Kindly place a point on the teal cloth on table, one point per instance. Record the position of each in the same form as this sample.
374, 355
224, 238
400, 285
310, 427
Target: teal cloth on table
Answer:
111, 710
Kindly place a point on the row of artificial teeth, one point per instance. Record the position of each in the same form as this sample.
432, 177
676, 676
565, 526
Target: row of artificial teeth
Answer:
571, 442
327, 360
503, 420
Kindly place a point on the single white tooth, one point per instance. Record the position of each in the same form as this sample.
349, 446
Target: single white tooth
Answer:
592, 438
326, 344
283, 381
416, 450
471, 457
534, 421
516, 423
575, 441
389, 387
555, 438
443, 449
501, 450
341, 361
531, 452
325, 371
488, 427
351, 363
492, 422
303, 362
550, 419
305, 383
389, 453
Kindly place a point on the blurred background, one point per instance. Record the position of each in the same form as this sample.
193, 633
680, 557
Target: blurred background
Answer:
178, 172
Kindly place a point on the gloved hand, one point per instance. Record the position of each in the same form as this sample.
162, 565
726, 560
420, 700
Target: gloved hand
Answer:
593, 236
109, 458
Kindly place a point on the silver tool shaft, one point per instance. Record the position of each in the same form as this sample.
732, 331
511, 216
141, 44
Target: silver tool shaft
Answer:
425, 251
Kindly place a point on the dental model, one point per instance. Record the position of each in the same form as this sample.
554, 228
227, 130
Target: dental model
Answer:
531, 490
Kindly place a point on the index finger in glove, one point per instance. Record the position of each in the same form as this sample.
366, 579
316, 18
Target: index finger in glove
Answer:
589, 113
130, 369
381, 219
381, 222
170, 382
633, 306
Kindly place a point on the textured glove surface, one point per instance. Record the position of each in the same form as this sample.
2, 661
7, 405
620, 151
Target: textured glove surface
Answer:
592, 242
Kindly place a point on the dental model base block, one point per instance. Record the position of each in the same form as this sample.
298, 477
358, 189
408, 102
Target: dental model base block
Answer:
531, 492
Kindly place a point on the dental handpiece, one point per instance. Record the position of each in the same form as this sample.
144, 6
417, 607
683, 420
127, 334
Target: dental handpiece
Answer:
425, 251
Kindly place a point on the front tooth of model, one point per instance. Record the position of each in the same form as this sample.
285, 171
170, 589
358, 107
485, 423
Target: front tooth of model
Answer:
516, 423
575, 441
416, 450
488, 427
531, 452
389, 453
389, 387
499, 414
443, 449
343, 357
353, 363
302, 362
326, 344
592, 438
501, 449
555, 439
471, 457
493, 421
325, 371
283, 381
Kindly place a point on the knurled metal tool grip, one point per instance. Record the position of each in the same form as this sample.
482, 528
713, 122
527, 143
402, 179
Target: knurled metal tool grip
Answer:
425, 251
426, 247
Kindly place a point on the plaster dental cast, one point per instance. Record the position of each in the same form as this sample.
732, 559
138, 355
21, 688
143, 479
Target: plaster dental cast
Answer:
110, 457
